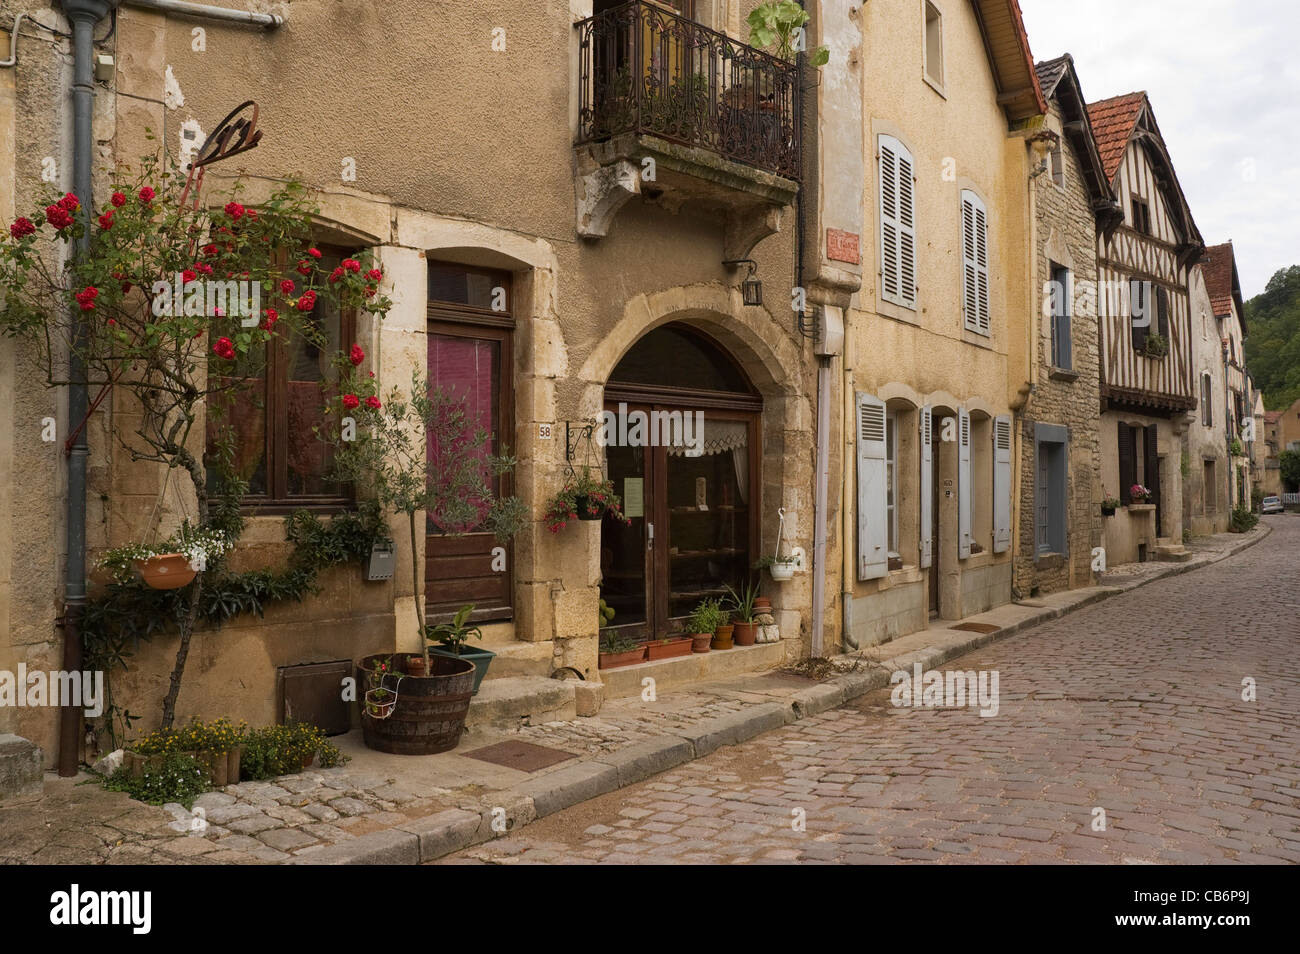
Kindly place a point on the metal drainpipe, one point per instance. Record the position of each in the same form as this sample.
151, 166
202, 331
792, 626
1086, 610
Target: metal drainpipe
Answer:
819, 504
268, 21
83, 15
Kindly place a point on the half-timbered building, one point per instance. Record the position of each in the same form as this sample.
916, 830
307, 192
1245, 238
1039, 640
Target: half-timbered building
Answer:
1147, 386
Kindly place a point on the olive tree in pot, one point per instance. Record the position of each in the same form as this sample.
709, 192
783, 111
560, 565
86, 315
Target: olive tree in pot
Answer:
421, 452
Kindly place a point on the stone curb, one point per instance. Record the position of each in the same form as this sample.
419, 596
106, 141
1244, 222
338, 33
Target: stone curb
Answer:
427, 839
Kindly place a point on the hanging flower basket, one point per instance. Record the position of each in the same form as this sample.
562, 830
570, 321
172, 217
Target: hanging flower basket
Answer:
166, 571
583, 498
380, 703
588, 507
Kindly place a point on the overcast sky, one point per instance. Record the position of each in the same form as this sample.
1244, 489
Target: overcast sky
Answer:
1224, 81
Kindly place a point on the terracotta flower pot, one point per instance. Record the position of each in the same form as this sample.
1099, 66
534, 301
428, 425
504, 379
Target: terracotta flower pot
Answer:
415, 666
700, 642
722, 638
166, 571
629, 658
745, 634
762, 605
667, 649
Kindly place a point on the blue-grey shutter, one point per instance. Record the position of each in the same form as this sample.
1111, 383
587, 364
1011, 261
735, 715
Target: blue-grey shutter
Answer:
873, 520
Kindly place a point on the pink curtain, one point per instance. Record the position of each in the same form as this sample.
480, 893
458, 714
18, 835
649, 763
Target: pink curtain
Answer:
466, 369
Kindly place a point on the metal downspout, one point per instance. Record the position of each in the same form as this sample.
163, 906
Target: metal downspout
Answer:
268, 21
83, 15
819, 504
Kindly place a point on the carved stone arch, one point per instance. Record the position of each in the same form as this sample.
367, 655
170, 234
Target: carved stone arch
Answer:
895, 392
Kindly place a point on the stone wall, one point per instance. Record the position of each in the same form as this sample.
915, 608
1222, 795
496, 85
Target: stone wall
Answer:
1065, 232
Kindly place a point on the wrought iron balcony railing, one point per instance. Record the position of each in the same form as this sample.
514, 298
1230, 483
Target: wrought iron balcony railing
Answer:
646, 70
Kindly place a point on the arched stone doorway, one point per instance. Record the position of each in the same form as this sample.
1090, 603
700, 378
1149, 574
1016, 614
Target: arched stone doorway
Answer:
681, 429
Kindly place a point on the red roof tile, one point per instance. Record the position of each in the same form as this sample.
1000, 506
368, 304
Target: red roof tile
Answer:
1272, 417
1217, 264
1112, 125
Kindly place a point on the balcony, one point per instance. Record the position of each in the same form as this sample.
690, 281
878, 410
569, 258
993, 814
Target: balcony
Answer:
676, 112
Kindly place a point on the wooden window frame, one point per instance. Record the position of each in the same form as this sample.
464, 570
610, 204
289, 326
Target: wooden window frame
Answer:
1136, 202
1062, 345
277, 500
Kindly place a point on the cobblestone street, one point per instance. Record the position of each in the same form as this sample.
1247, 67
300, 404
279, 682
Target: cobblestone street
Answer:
1132, 706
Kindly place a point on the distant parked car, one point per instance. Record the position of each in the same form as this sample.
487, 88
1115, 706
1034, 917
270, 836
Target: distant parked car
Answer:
1271, 505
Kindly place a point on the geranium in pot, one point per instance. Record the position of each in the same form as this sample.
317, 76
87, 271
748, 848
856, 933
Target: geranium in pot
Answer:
781, 567
453, 637
1139, 494
1109, 505
583, 497
420, 452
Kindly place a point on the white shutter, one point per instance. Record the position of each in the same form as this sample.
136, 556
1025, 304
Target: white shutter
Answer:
873, 528
975, 263
927, 486
897, 224
1001, 483
963, 484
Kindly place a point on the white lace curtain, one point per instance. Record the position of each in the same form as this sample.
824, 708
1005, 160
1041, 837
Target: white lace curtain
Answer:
720, 437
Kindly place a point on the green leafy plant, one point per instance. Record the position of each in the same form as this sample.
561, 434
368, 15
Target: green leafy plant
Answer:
282, 749
152, 309
1157, 345
779, 25
456, 633
177, 778
764, 562
1289, 469
1243, 520
420, 452
742, 600
1234, 448
617, 643
707, 616
586, 493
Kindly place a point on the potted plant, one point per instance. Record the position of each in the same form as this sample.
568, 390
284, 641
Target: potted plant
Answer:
1109, 505
1139, 494
421, 452
453, 637
722, 636
779, 25
703, 621
1157, 345
583, 497
617, 650
669, 647
742, 606
781, 567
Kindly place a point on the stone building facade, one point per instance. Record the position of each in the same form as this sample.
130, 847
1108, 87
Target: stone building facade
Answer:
1059, 494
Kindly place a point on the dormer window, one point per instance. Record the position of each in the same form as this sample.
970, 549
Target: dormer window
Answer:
1141, 215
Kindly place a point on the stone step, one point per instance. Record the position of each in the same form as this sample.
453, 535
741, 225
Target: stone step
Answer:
512, 701
680, 671
1172, 553
518, 658
20, 767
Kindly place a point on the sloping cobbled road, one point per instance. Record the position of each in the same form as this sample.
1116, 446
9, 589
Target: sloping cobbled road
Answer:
1132, 706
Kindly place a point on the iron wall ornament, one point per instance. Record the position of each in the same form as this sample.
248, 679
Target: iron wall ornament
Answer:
239, 128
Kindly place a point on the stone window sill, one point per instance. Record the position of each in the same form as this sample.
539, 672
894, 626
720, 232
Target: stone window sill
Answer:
1063, 374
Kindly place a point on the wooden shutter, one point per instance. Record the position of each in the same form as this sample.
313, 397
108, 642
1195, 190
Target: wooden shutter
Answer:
873, 525
1001, 483
926, 486
963, 483
897, 224
1152, 477
1127, 462
1139, 312
975, 262
1162, 313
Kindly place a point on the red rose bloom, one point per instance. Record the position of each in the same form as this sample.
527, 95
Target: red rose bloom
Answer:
210, 250
352, 265
370, 291
69, 202
373, 403
234, 210
86, 297
112, 322
203, 268
106, 221
21, 227
350, 401
147, 195
118, 200
304, 267
188, 276
314, 252
224, 348
336, 275
287, 286
58, 217
272, 316
374, 274
356, 355
307, 302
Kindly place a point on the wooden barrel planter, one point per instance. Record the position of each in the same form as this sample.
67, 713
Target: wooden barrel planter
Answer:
430, 711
